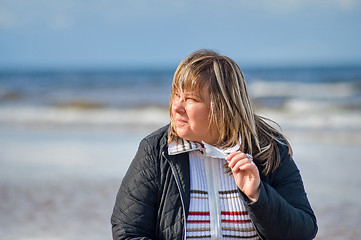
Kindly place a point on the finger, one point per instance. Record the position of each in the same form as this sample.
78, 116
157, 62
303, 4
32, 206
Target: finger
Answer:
246, 166
232, 154
240, 164
234, 158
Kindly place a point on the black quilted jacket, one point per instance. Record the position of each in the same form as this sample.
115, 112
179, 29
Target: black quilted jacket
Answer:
153, 199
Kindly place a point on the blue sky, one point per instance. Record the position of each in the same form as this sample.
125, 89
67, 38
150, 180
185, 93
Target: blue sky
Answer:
122, 33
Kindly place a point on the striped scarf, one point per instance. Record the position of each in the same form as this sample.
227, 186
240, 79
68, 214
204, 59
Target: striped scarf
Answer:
216, 209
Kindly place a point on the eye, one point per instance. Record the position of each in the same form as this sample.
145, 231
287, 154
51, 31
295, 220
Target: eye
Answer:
191, 99
176, 95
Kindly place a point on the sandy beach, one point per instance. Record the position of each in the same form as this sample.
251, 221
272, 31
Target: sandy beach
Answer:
60, 184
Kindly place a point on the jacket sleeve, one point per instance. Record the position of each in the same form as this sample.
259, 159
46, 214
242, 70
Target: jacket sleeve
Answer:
282, 210
134, 214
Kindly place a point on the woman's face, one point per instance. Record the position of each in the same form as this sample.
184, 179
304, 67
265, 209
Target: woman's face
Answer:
190, 112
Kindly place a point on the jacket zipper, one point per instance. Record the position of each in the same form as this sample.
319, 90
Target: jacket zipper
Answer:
180, 194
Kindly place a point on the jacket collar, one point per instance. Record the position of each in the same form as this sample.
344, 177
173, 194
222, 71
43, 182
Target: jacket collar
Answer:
181, 146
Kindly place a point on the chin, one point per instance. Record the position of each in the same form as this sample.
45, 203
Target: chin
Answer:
183, 134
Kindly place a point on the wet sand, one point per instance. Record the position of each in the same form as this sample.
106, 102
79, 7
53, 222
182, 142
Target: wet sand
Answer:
61, 185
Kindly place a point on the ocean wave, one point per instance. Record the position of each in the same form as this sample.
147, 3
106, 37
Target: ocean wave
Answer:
294, 114
106, 117
80, 104
260, 89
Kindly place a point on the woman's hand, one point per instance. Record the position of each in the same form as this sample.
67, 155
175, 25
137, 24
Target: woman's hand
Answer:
245, 174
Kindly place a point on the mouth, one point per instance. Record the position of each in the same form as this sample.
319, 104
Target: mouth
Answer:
180, 121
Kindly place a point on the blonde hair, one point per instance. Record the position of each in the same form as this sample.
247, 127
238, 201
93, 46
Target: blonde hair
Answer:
231, 110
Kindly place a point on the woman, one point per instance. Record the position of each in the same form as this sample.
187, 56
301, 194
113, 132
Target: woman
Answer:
217, 171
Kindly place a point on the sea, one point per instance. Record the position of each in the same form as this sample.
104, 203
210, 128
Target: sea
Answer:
330, 96
67, 138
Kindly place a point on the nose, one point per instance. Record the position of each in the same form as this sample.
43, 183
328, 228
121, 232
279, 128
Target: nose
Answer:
178, 105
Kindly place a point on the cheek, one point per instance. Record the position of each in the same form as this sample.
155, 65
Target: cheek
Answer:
201, 118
